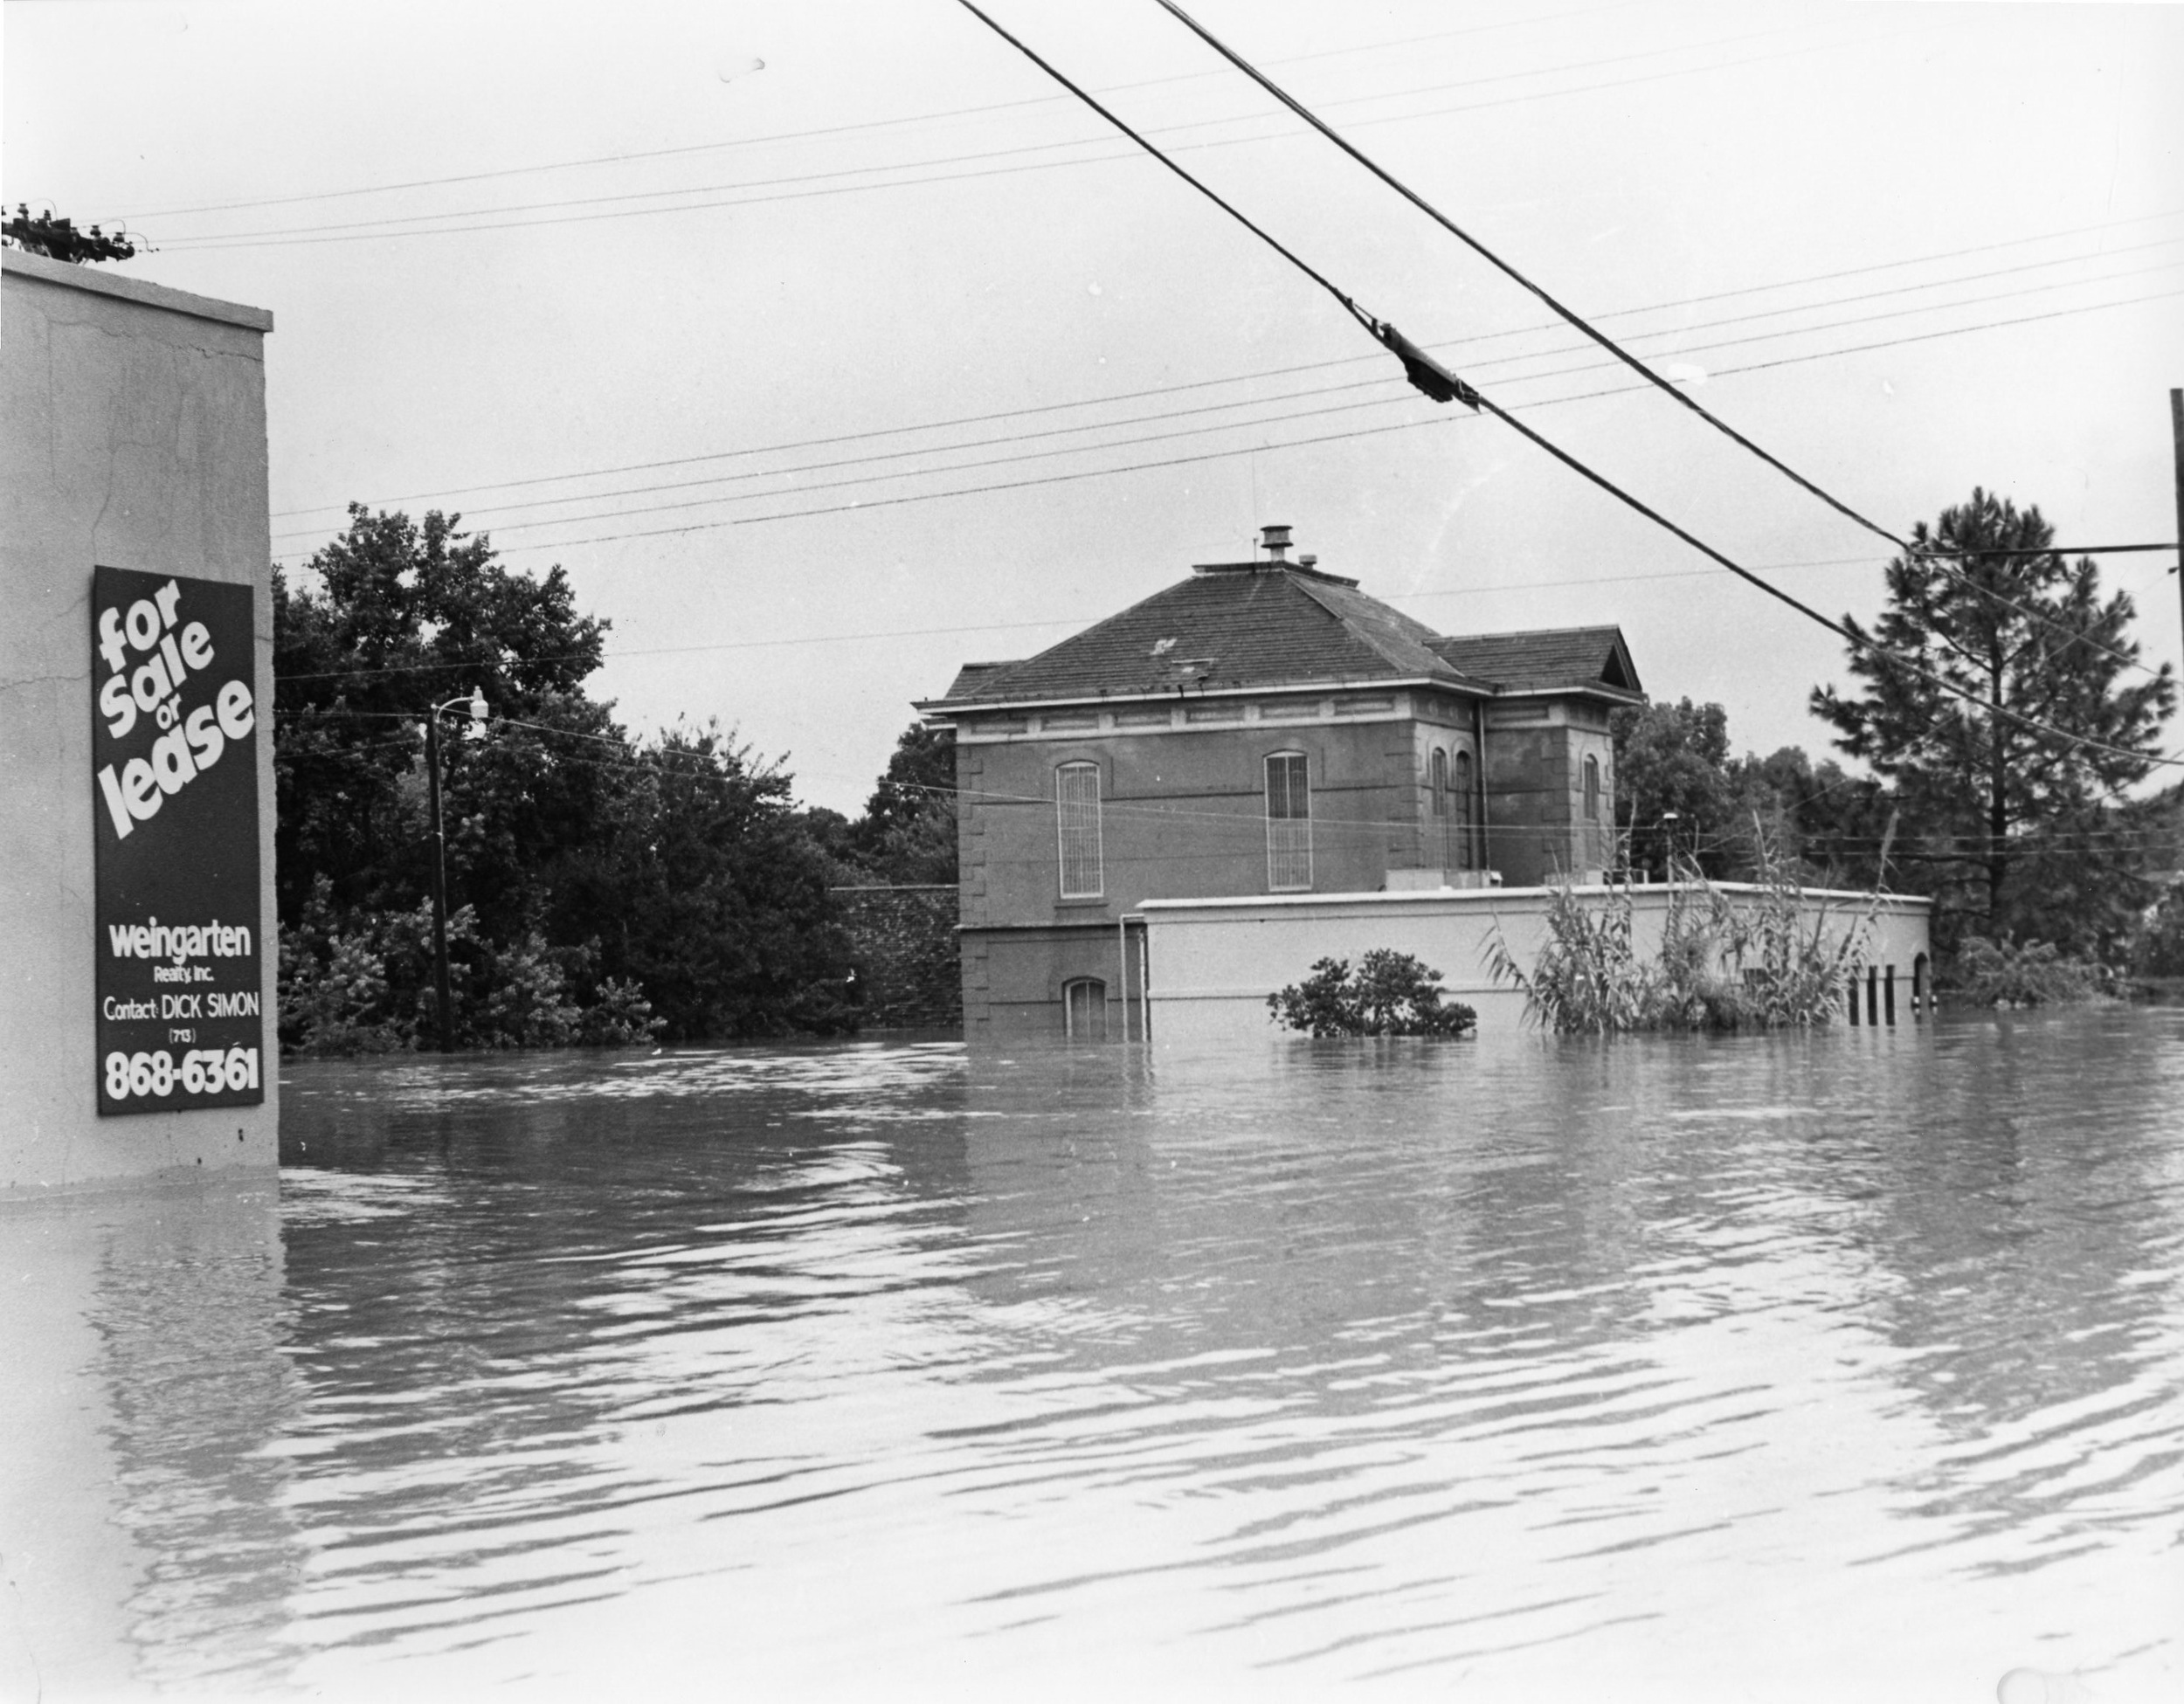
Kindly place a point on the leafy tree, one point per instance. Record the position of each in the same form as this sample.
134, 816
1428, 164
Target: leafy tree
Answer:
2014, 825
592, 882
1673, 758
704, 888
406, 616
1820, 817
908, 832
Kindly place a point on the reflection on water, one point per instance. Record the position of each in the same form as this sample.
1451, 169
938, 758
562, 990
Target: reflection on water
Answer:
1842, 1366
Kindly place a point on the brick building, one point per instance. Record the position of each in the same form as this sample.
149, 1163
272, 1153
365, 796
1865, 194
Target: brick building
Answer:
1259, 727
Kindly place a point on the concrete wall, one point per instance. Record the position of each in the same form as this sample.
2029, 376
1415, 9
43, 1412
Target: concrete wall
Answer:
1213, 962
131, 434
1183, 815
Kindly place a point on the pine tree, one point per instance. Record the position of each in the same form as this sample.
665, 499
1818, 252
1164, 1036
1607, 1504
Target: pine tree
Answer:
2014, 823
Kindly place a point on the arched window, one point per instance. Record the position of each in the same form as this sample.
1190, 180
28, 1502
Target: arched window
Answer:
1084, 1008
1466, 856
1077, 829
1289, 822
1592, 789
1438, 851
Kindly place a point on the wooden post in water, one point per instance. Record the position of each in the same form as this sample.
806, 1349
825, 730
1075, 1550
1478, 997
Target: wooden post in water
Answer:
1888, 990
1854, 997
1872, 994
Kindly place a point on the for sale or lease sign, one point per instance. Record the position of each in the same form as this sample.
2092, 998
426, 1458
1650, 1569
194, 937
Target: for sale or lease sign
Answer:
175, 731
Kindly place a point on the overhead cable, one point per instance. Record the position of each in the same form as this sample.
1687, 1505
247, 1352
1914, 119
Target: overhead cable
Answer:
1568, 315
1658, 381
1433, 379
833, 129
381, 231
857, 503
869, 459
1352, 361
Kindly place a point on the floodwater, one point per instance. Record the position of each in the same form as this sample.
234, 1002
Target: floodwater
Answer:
1847, 1366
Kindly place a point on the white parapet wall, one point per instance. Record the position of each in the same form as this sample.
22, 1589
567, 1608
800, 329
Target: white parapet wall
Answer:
133, 441
1213, 963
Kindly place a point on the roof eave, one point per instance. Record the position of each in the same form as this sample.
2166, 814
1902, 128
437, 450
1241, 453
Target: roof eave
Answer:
941, 706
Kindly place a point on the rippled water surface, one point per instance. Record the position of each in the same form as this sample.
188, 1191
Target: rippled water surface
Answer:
1845, 1366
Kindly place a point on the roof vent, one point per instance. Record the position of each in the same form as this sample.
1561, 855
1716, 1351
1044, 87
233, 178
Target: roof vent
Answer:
1307, 559
1276, 540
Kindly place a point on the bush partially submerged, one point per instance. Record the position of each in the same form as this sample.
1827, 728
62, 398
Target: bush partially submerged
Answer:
2002, 973
1769, 962
1390, 993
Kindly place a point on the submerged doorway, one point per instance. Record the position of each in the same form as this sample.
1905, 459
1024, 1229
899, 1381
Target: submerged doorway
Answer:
1084, 1008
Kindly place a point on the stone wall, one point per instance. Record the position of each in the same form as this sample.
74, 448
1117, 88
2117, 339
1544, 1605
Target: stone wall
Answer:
903, 942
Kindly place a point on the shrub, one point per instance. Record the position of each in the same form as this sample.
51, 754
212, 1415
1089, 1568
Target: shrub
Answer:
2002, 973
1390, 993
364, 983
619, 1017
2158, 950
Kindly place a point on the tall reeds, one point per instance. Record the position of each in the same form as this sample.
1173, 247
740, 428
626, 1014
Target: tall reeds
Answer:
1774, 959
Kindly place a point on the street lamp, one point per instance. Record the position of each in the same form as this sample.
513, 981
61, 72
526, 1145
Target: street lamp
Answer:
1668, 820
476, 705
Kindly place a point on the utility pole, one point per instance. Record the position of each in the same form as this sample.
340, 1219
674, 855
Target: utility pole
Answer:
440, 884
476, 705
2176, 434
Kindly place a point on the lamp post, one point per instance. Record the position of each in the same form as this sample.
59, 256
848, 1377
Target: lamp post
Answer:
1668, 820
476, 703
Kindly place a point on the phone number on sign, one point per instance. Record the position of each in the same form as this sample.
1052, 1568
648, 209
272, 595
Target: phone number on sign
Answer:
204, 1071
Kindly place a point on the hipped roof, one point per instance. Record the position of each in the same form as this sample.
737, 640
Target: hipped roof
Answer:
1266, 624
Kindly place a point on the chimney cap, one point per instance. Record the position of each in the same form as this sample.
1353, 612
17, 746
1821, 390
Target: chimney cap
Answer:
1277, 539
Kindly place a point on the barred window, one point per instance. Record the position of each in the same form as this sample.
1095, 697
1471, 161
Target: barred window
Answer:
1288, 822
1077, 821
1592, 789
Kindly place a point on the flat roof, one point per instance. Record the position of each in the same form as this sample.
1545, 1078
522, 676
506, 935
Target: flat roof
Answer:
1488, 896
141, 291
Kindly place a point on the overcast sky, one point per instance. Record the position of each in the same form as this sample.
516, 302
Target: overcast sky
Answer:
715, 304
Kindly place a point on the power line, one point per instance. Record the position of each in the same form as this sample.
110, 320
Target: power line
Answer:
792, 472
278, 240
1342, 360
894, 633
842, 129
633, 755
1456, 390
1680, 332
387, 225
1479, 248
855, 506
1592, 332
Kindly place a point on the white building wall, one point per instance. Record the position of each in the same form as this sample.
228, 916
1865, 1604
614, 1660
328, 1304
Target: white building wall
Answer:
1215, 962
132, 435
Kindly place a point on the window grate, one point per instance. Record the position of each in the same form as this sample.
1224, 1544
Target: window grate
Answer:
1077, 824
1289, 822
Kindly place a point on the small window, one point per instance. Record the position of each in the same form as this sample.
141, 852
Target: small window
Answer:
1084, 1008
1077, 824
1592, 789
1289, 822
1440, 781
